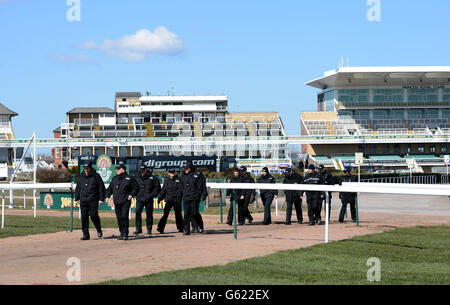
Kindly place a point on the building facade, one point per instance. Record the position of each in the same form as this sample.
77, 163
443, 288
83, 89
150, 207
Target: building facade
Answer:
149, 118
380, 103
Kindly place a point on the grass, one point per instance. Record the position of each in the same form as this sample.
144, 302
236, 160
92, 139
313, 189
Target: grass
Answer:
28, 225
415, 256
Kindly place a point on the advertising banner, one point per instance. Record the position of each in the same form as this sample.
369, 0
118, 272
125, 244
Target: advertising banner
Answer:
61, 201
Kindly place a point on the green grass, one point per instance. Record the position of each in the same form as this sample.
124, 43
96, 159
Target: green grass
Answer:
28, 225
418, 255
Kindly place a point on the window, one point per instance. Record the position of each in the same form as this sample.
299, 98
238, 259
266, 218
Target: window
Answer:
408, 148
396, 148
373, 149
420, 96
386, 148
397, 114
353, 96
443, 148
388, 95
432, 148
414, 114
421, 148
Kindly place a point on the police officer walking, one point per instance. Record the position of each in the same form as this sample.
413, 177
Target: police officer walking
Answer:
237, 198
313, 197
246, 195
90, 192
267, 196
293, 197
149, 188
171, 192
192, 192
348, 198
123, 188
327, 179
197, 220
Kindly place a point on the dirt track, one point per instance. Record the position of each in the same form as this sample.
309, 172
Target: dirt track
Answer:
41, 259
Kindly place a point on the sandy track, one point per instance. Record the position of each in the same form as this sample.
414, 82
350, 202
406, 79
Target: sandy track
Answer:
41, 259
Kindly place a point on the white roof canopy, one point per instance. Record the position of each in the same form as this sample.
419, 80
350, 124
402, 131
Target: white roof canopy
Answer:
373, 76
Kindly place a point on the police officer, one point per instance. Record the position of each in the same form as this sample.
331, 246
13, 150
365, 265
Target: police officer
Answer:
267, 196
327, 179
197, 220
293, 197
237, 198
192, 193
90, 192
171, 192
123, 188
313, 197
149, 188
246, 195
348, 198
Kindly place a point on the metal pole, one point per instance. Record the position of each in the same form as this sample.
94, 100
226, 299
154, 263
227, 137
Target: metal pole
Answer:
234, 219
356, 209
3, 210
34, 203
71, 207
221, 212
327, 213
276, 206
24, 198
359, 173
11, 199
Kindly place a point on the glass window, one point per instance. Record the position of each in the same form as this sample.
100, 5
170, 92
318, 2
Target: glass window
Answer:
418, 96
388, 95
431, 114
353, 96
380, 114
446, 114
432, 148
408, 148
386, 148
397, 114
446, 95
396, 148
414, 114
443, 148
421, 148
373, 149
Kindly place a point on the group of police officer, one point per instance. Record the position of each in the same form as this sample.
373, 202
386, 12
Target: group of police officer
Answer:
314, 199
191, 189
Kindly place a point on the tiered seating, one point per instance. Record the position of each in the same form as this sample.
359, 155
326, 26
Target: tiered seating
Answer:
322, 160
424, 158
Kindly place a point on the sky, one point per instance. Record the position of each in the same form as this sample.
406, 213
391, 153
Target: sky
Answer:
56, 55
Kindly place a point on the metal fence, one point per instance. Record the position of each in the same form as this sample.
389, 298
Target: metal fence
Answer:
408, 179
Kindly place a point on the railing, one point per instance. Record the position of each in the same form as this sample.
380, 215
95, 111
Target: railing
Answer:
404, 179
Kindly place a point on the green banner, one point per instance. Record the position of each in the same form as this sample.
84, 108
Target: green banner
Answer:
105, 168
62, 201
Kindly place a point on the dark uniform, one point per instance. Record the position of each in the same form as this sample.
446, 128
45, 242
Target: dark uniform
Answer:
267, 195
327, 179
171, 192
348, 198
247, 178
149, 188
313, 197
235, 197
293, 197
121, 187
192, 193
197, 220
89, 191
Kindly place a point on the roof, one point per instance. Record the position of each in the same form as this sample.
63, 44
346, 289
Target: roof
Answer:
184, 98
6, 111
90, 110
128, 94
385, 76
57, 130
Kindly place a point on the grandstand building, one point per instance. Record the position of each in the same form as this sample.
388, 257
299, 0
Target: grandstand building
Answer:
392, 113
168, 117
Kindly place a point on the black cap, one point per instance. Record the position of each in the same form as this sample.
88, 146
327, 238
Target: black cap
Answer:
121, 166
347, 170
243, 168
87, 164
265, 169
312, 167
172, 171
143, 167
321, 167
